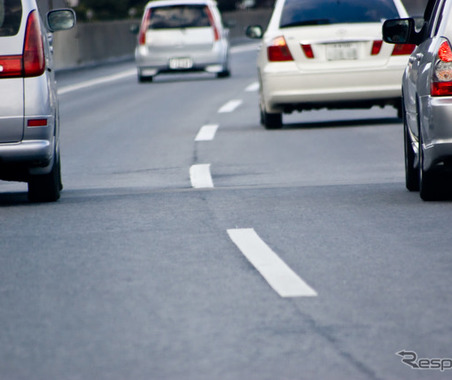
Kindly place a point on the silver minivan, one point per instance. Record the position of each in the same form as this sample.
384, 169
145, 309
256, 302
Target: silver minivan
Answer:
182, 36
427, 98
29, 119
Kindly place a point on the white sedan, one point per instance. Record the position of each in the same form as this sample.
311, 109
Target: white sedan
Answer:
328, 54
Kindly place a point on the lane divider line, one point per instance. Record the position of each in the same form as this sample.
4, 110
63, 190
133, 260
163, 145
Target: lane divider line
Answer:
253, 87
274, 270
230, 106
95, 82
207, 132
200, 176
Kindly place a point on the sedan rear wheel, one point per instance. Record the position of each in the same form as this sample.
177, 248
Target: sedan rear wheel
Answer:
270, 120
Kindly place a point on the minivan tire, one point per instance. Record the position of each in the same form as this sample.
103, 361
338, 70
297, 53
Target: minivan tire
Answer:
46, 187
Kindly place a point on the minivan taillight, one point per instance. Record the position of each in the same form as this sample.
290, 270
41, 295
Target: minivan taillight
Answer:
278, 51
32, 61
442, 77
144, 27
34, 58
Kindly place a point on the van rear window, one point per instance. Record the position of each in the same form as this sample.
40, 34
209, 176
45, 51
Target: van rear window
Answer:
10, 17
179, 16
322, 12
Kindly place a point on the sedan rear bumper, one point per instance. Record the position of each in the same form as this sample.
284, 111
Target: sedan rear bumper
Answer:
308, 89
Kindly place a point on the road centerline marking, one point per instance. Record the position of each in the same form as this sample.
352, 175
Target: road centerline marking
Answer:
274, 270
200, 176
230, 106
252, 87
207, 132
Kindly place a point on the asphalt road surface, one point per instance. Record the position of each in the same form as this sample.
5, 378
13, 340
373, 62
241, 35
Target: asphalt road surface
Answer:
191, 243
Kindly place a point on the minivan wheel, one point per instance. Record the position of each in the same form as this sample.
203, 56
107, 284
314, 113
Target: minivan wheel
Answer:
46, 187
145, 79
224, 74
411, 173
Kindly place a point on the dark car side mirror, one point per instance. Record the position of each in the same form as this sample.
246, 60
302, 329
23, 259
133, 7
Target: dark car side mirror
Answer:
254, 31
400, 31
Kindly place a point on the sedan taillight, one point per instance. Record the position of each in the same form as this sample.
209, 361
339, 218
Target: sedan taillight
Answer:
403, 49
278, 51
308, 52
442, 78
376, 47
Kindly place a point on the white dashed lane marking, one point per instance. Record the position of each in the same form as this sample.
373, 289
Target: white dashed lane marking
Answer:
275, 271
207, 132
253, 87
230, 106
200, 176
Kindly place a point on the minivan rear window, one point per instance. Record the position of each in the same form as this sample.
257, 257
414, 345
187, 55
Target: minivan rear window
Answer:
322, 12
179, 16
10, 17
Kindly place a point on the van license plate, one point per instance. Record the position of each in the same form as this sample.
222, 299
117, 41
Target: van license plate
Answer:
180, 63
342, 51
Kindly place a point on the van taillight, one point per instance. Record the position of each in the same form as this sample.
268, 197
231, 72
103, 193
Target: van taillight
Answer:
34, 58
144, 27
216, 34
32, 61
403, 49
11, 66
442, 78
278, 51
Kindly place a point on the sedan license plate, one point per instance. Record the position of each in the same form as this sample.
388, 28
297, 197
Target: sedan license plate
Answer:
341, 52
180, 63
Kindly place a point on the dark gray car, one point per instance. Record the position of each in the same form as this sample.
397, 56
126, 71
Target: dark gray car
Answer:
427, 98
29, 119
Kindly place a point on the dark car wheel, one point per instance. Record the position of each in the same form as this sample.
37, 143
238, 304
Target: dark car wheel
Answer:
46, 187
428, 186
411, 173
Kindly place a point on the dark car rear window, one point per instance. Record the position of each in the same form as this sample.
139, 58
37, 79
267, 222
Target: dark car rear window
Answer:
321, 12
10, 17
180, 16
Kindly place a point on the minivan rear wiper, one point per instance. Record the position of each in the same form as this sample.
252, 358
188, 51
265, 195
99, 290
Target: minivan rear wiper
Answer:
320, 21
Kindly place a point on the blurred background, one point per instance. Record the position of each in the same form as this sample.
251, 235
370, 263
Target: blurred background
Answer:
103, 26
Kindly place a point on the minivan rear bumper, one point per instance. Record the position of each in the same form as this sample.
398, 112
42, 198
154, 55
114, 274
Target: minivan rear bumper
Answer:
35, 153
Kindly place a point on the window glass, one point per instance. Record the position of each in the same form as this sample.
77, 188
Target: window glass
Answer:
180, 16
321, 12
10, 17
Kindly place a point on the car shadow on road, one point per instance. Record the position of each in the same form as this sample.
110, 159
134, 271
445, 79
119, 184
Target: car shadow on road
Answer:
343, 123
14, 199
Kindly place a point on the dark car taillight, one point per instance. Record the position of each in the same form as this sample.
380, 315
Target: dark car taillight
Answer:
144, 27
442, 77
32, 61
278, 51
